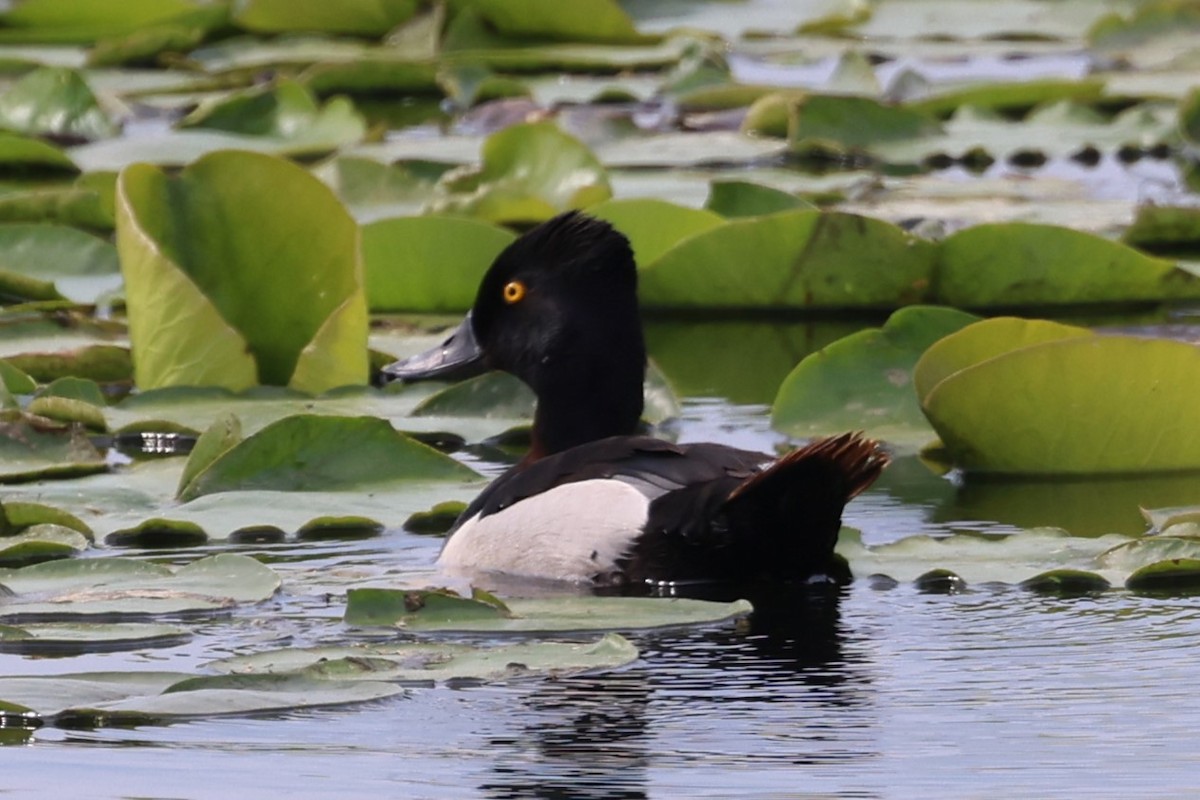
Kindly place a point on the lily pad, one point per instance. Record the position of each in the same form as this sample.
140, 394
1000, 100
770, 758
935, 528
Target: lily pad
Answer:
865, 380
313, 452
581, 21
54, 101
430, 264
113, 587
794, 259
529, 173
286, 110
1015, 264
1065, 408
748, 199
983, 340
413, 610
355, 17
73, 638
85, 20
441, 661
202, 291
30, 451
41, 542
1175, 576
141, 698
103, 363
56, 262
654, 226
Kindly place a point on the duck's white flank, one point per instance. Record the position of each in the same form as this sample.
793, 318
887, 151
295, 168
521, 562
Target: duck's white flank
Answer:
571, 533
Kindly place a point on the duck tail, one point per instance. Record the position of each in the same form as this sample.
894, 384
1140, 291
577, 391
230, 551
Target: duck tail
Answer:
795, 505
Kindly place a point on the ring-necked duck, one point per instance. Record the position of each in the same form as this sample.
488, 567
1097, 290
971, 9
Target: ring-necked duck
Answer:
592, 502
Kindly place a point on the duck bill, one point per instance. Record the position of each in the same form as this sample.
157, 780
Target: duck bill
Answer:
456, 358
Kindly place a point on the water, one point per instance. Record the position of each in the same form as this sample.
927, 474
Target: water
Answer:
862, 693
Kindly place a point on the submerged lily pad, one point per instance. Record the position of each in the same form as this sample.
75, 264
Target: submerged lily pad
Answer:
865, 380
794, 259
439, 610
315, 452
203, 301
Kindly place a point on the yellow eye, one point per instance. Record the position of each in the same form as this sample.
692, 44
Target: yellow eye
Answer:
514, 291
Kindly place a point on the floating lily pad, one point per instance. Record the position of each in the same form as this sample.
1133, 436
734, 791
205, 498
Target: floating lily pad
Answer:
287, 111
55, 262
313, 452
865, 380
493, 394
529, 173
794, 259
748, 199
441, 611
30, 451
1015, 264
429, 263
112, 587
85, 20
654, 226
202, 298
142, 698
53, 101
1175, 576
1065, 408
424, 661
1066, 582
66, 638
103, 363
355, 17
582, 21
437, 520
41, 542
983, 340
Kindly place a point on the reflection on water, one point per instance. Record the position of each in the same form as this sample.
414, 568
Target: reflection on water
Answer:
778, 691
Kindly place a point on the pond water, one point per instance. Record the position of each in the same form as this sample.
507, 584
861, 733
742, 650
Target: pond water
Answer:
877, 690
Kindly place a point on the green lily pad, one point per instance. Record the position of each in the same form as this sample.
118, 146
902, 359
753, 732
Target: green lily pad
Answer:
438, 610
87, 203
30, 450
747, 199
112, 587
96, 699
437, 520
980, 341
286, 110
313, 452
203, 295
158, 532
85, 20
441, 661
1165, 229
16, 381
865, 380
1014, 264
794, 259
1066, 582
57, 262
1175, 576
22, 515
41, 542
529, 173
178, 34
219, 438
103, 363
69, 410
54, 101
355, 17
20, 152
582, 21
1065, 408
493, 394
654, 226
430, 264
73, 638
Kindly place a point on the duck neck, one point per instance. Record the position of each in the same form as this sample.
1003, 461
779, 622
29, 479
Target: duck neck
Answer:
587, 402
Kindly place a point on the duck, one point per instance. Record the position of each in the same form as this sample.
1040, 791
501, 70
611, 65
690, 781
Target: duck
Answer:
594, 501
